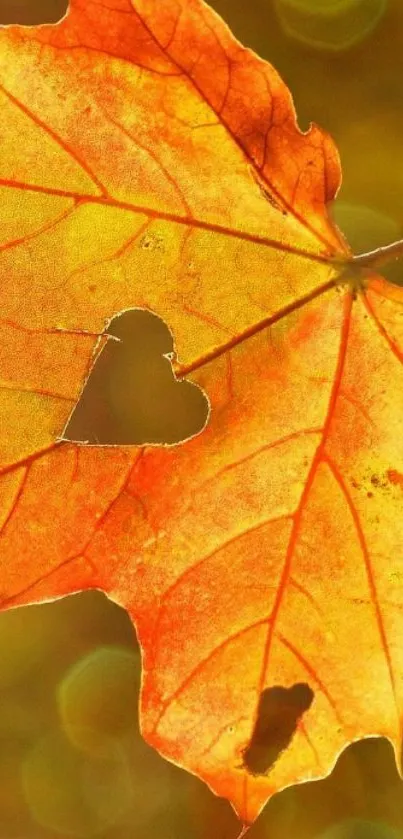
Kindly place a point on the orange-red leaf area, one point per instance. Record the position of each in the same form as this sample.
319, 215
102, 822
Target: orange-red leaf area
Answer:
162, 167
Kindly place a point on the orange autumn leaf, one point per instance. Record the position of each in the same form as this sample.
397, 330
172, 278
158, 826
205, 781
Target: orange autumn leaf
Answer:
148, 160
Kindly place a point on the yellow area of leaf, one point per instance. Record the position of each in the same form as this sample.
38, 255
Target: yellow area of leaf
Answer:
148, 159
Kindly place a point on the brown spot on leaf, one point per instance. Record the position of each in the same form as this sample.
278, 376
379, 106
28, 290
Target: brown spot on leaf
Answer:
279, 712
395, 477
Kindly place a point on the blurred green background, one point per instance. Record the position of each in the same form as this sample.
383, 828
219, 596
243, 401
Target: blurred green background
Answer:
72, 763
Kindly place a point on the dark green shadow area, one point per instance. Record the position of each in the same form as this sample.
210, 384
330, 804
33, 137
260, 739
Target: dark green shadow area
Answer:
32, 12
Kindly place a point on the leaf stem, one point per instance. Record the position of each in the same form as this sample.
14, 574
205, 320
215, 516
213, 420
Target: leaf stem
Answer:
380, 256
244, 831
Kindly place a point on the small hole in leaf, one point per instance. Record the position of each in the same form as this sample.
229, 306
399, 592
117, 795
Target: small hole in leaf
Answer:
32, 12
131, 396
279, 712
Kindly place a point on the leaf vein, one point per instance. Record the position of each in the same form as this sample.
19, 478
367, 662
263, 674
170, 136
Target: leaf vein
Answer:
201, 664
370, 574
318, 456
57, 139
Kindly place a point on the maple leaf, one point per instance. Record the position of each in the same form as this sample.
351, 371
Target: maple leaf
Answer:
162, 168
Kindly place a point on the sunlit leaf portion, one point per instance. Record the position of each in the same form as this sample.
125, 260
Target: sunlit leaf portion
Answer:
162, 169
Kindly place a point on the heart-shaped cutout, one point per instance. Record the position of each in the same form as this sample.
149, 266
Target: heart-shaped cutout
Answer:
131, 396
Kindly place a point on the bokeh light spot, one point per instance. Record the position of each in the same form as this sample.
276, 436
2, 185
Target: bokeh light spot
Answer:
98, 697
329, 24
74, 794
